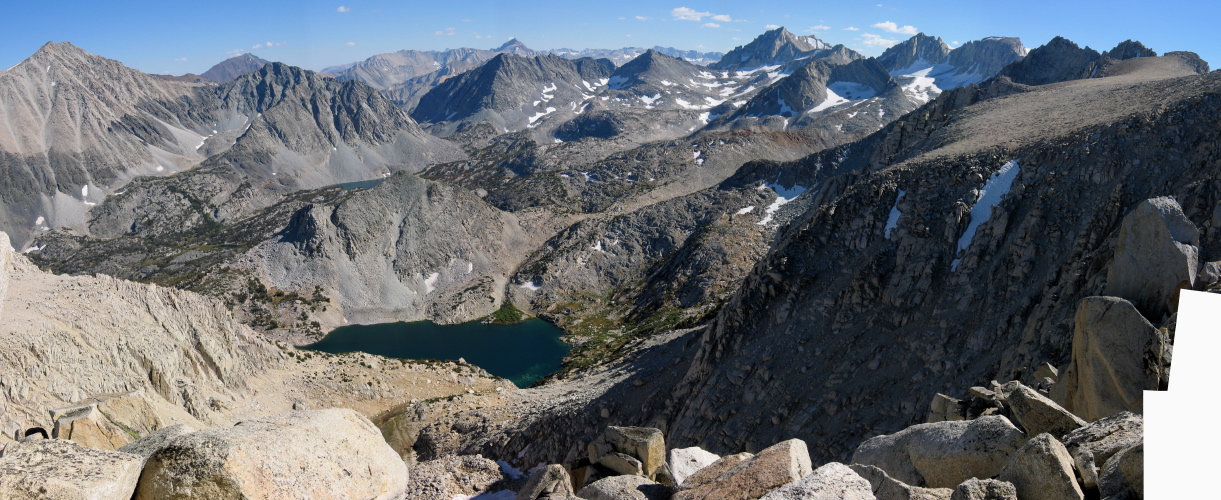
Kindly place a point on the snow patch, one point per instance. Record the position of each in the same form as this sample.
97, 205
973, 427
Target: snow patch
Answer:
598, 247
85, 191
892, 220
833, 99
648, 101
40, 221
988, 197
783, 196
540, 115
470, 266
513, 472
745, 210
431, 282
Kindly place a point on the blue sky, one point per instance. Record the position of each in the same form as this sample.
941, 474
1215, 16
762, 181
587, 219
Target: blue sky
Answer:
181, 37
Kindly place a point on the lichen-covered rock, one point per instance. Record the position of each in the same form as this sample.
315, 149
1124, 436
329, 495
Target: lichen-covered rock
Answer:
888, 488
625, 488
984, 489
60, 469
943, 454
333, 453
833, 481
687, 461
1042, 469
154, 442
775, 466
451, 476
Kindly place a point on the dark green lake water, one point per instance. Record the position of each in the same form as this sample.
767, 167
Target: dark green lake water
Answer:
522, 352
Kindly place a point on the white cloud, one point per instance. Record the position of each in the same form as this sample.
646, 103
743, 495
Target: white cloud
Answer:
955, 42
643, 18
628, 35
351, 44
268, 45
852, 28
343, 9
821, 27
438, 33
235, 52
895, 28
771, 26
179, 59
688, 14
873, 40
722, 18
710, 25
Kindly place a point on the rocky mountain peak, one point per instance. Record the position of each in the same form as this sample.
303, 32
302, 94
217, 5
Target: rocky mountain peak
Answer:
987, 56
1057, 61
777, 46
1129, 49
232, 68
919, 49
514, 46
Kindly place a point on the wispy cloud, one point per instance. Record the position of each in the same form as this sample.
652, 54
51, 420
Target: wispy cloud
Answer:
710, 25
821, 27
688, 14
872, 40
643, 18
722, 18
343, 10
895, 28
268, 45
179, 59
350, 44
771, 26
235, 52
852, 28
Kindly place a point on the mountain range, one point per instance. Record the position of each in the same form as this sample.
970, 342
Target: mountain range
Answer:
790, 241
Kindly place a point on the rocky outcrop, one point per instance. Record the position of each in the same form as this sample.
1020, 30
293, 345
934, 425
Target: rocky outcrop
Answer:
777, 46
1124, 474
943, 454
1116, 355
61, 469
833, 481
1042, 469
307, 454
152, 443
551, 481
1156, 255
450, 476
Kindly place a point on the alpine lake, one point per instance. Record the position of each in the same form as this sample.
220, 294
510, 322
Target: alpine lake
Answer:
521, 352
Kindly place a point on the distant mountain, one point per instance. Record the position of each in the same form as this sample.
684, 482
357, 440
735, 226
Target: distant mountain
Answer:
232, 68
622, 56
515, 47
1062, 60
919, 50
187, 78
922, 58
75, 126
513, 92
772, 48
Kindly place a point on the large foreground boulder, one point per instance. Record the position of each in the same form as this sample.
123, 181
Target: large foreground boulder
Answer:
775, 466
334, 453
551, 481
625, 449
1091, 446
1042, 470
152, 443
1123, 476
59, 469
1036, 413
943, 454
833, 481
1117, 355
1156, 255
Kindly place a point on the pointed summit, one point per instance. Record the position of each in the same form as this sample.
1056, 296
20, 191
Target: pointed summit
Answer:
777, 46
515, 47
232, 68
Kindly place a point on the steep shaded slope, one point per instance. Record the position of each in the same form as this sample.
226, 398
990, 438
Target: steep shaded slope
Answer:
75, 126
234, 67
856, 315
